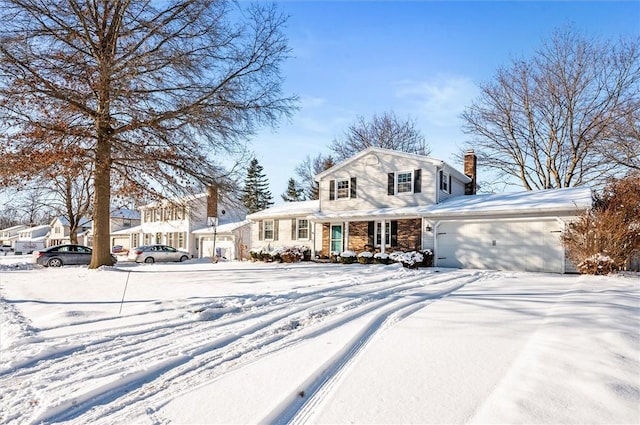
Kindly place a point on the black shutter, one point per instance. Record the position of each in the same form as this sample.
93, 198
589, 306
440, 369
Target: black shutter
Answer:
441, 178
353, 187
276, 229
394, 232
260, 231
417, 181
370, 232
293, 229
332, 190
391, 178
449, 187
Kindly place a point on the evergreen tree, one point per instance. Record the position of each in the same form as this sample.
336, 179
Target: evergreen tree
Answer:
256, 194
293, 193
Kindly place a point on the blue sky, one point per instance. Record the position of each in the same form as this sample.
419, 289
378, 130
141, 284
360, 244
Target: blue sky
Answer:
420, 59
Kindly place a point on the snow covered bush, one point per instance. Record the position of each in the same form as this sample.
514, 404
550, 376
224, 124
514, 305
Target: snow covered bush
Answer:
286, 254
596, 264
293, 254
365, 257
410, 259
607, 237
348, 257
381, 258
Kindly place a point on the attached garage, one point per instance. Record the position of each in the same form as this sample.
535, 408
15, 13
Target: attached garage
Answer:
501, 245
511, 231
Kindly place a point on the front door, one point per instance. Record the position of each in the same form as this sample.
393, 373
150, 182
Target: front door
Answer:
336, 238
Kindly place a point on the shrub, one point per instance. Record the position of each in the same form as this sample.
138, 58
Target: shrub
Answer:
607, 237
381, 258
293, 254
348, 257
410, 259
365, 257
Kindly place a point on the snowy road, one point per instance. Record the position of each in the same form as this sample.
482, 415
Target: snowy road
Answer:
250, 343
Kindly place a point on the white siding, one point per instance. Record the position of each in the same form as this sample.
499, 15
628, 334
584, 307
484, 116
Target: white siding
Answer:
371, 173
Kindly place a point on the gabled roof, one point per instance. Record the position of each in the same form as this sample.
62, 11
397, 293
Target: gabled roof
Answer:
287, 209
550, 200
83, 222
125, 213
384, 151
15, 228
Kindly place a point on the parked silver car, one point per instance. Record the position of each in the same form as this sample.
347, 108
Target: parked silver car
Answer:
154, 253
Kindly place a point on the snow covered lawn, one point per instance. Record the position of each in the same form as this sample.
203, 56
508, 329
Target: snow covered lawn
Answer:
249, 342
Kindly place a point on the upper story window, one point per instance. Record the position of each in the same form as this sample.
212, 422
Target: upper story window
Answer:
445, 182
342, 188
404, 182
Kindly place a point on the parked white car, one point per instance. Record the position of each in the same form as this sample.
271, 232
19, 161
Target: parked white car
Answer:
157, 253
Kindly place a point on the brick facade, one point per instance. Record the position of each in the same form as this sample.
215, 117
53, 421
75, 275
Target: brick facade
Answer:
409, 236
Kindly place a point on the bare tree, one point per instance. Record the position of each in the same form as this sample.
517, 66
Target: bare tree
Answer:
150, 93
307, 172
542, 122
383, 131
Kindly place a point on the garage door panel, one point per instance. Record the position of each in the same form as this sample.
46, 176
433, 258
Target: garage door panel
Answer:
502, 245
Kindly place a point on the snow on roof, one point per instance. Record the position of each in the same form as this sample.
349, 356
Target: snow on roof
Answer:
368, 214
224, 228
125, 213
34, 228
288, 209
384, 151
84, 221
14, 228
127, 230
567, 199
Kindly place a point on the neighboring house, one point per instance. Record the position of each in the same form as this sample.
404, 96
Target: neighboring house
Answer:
125, 226
383, 200
31, 239
9, 235
191, 223
60, 231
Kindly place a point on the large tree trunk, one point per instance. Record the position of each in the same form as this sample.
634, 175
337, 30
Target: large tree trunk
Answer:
101, 249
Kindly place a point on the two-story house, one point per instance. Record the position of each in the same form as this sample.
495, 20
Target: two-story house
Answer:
60, 231
204, 224
9, 235
386, 200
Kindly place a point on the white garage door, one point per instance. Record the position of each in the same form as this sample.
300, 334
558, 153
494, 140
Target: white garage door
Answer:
224, 248
501, 245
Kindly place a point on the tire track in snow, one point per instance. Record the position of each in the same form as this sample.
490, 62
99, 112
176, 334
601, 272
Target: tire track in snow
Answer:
298, 408
231, 341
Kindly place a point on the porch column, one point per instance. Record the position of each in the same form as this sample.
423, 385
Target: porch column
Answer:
383, 235
346, 236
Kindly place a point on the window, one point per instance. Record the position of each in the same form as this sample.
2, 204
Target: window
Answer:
405, 182
126, 222
303, 229
268, 229
135, 240
57, 230
181, 239
147, 216
342, 187
387, 235
445, 182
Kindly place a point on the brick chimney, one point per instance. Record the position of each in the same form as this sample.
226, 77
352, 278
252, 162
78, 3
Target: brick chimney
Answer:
470, 166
